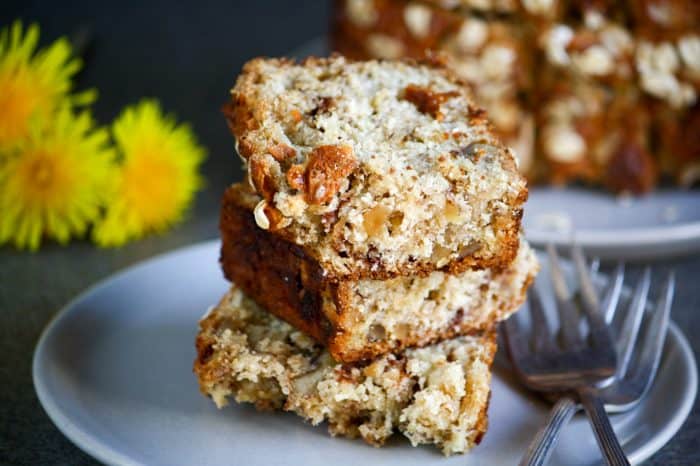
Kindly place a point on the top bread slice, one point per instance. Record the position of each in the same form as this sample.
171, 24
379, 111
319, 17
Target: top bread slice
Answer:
378, 168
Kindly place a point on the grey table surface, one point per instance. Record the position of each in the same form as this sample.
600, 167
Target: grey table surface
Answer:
187, 56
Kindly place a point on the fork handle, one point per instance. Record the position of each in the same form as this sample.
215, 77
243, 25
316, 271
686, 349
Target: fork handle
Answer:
541, 447
605, 435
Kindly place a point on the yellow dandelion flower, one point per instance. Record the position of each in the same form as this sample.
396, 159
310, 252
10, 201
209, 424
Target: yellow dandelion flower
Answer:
33, 83
56, 181
158, 177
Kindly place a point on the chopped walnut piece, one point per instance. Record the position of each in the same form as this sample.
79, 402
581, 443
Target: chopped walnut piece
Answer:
328, 166
452, 211
261, 168
295, 177
274, 217
426, 100
374, 220
282, 152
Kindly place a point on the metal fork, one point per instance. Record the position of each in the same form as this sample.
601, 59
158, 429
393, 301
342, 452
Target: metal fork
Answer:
636, 368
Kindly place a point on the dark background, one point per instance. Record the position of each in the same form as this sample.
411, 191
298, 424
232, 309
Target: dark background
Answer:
186, 55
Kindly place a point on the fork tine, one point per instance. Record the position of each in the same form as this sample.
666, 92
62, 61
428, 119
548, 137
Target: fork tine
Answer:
612, 295
540, 325
598, 330
651, 344
568, 312
594, 266
588, 292
561, 289
630, 326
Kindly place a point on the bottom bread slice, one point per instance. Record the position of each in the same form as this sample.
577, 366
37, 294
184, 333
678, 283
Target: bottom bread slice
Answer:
438, 394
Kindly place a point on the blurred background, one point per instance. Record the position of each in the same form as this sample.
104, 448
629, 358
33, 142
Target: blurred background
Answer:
186, 55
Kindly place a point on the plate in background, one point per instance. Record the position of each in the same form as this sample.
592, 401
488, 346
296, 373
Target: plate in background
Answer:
113, 371
662, 224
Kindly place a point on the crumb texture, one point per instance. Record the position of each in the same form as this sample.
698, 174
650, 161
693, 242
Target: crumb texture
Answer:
388, 315
361, 319
378, 168
434, 395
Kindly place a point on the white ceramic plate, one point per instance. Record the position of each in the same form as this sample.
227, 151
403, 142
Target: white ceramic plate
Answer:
113, 371
662, 224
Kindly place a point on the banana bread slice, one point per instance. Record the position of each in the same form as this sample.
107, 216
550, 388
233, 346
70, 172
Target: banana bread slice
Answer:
434, 395
377, 168
361, 319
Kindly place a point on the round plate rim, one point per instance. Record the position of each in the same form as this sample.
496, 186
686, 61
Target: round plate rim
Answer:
620, 236
662, 437
94, 447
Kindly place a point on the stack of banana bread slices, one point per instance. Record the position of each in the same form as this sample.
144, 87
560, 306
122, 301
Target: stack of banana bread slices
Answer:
372, 249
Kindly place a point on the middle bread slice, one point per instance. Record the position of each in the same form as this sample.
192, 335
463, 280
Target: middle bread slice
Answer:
362, 319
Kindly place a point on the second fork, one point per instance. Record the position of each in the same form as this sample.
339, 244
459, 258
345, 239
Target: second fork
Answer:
634, 371
639, 356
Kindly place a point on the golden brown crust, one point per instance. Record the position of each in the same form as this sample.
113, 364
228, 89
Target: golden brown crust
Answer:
254, 258
327, 167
